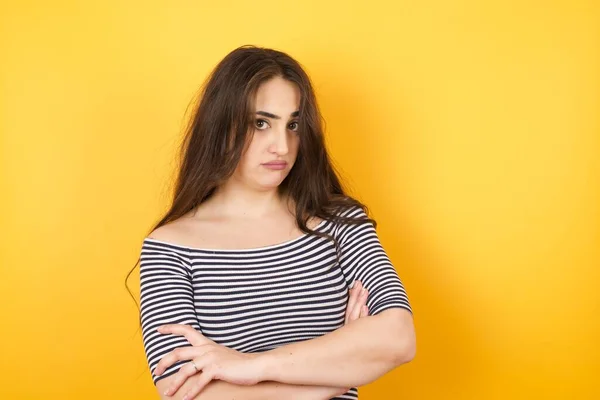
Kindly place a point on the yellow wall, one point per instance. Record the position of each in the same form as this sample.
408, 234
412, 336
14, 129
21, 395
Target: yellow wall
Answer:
470, 128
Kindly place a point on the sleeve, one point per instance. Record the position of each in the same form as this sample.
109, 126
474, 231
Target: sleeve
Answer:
166, 297
363, 258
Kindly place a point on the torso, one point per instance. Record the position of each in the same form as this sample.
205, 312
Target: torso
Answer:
254, 284
255, 296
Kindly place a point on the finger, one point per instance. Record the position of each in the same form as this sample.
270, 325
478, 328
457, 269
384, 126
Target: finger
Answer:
193, 336
205, 378
352, 299
364, 312
362, 300
179, 354
354, 312
180, 377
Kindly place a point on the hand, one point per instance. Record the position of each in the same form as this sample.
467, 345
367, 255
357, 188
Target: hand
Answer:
214, 361
357, 308
357, 301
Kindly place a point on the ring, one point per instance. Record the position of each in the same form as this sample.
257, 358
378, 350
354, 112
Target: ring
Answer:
194, 365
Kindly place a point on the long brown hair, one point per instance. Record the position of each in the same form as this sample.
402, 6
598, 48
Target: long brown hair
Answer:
219, 130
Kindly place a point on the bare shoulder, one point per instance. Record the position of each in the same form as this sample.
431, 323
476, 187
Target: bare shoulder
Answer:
176, 231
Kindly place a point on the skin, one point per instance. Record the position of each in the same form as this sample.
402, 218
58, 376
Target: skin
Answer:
275, 138
247, 200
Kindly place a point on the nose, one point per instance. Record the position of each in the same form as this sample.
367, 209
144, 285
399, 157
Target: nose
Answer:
279, 145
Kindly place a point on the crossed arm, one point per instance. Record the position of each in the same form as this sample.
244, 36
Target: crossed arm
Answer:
321, 368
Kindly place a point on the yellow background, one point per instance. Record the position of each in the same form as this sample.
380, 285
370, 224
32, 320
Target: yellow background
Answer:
471, 129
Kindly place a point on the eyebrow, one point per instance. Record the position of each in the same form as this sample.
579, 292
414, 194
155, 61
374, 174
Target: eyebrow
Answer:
269, 115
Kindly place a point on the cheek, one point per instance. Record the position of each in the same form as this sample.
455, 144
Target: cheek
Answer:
295, 146
246, 161
253, 152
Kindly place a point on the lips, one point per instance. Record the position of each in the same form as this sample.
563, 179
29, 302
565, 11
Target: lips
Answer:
276, 163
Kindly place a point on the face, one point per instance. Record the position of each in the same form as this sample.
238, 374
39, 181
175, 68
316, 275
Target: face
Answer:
274, 143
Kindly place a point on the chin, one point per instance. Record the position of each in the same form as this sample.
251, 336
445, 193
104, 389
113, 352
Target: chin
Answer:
268, 184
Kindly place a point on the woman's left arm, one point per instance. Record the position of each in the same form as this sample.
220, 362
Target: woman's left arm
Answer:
353, 355
362, 351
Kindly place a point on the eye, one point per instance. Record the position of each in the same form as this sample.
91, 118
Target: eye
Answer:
261, 124
293, 126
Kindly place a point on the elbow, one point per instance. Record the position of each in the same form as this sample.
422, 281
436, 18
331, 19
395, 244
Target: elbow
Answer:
406, 349
404, 340
400, 336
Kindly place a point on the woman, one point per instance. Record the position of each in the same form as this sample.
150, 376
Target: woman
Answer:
244, 282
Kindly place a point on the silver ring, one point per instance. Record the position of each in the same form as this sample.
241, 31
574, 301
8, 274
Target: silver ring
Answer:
194, 365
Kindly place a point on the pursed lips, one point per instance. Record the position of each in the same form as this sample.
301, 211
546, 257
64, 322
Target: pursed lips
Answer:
276, 163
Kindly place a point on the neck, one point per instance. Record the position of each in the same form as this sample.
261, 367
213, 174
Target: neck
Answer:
233, 200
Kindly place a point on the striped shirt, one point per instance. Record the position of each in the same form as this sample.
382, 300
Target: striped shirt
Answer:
254, 300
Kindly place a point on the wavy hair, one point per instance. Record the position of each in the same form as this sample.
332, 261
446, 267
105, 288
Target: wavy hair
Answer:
219, 129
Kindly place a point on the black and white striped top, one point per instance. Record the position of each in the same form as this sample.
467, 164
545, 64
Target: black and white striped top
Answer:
253, 300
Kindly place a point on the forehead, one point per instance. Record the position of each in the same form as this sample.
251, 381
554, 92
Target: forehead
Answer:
278, 94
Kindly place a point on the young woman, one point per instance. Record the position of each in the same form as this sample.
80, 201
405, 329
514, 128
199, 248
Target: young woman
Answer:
245, 281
